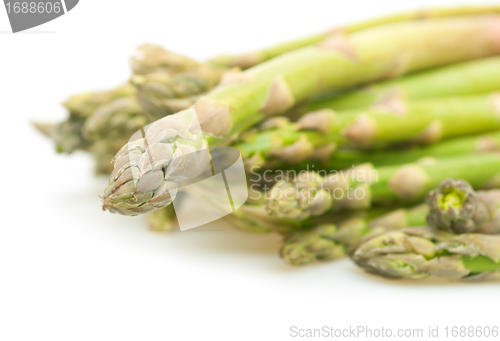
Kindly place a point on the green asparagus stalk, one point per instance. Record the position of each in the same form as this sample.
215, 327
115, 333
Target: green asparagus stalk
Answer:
167, 82
158, 100
244, 99
481, 143
163, 93
250, 218
420, 253
317, 134
457, 208
305, 247
327, 242
102, 122
254, 218
67, 135
83, 105
248, 60
115, 120
469, 78
109, 127
103, 131
360, 186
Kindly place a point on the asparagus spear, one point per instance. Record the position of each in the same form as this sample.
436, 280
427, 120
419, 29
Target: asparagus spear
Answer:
481, 143
103, 131
117, 119
102, 122
417, 253
457, 208
423, 122
147, 58
67, 135
84, 104
157, 72
252, 217
327, 242
150, 58
253, 58
363, 185
162, 93
305, 247
109, 127
274, 86
474, 77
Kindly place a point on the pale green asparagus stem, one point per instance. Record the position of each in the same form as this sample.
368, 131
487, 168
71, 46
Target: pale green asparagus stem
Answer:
327, 242
163, 93
482, 143
67, 135
420, 253
110, 127
457, 208
254, 218
469, 78
102, 122
253, 58
316, 135
359, 187
305, 247
249, 218
83, 105
243, 99
117, 119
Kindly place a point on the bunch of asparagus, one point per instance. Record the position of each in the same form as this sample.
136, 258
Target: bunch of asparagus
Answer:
454, 234
369, 118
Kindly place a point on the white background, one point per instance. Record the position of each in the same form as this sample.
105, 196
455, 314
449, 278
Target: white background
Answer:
69, 271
